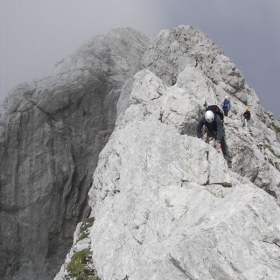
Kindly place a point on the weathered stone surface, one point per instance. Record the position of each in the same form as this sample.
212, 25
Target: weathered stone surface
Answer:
172, 50
255, 151
209, 76
52, 130
165, 204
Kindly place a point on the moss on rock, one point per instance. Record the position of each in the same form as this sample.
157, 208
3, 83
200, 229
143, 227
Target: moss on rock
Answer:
79, 267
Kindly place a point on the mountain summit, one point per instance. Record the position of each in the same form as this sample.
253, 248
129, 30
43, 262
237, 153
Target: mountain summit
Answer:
163, 204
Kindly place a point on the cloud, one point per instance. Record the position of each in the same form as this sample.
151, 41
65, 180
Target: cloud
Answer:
35, 34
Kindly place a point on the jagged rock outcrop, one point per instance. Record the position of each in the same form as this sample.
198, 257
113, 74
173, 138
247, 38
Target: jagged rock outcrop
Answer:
52, 131
165, 204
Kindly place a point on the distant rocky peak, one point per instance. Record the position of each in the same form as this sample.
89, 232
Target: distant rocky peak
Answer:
111, 51
172, 50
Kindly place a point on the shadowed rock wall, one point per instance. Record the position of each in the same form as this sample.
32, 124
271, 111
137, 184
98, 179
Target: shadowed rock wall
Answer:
52, 131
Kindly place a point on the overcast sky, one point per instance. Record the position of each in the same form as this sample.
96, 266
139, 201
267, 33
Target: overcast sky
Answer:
35, 34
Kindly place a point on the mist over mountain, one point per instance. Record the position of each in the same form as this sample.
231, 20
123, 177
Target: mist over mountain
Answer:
109, 139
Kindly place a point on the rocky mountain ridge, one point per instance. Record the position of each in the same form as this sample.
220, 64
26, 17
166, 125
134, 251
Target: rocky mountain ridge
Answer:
164, 203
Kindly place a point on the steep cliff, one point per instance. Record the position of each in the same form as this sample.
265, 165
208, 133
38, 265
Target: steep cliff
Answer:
165, 204
52, 131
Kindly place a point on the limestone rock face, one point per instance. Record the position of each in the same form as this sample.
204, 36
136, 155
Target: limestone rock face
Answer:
165, 204
52, 131
171, 50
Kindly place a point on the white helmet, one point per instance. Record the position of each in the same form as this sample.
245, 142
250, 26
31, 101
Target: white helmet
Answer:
226, 97
209, 116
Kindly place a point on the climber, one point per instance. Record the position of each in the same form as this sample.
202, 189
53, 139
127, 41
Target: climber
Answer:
247, 117
226, 106
215, 133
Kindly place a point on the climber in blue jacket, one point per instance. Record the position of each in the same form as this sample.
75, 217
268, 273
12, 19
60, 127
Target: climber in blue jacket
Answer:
226, 106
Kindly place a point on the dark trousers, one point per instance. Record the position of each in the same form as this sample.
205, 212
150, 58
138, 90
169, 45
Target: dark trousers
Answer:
226, 112
213, 134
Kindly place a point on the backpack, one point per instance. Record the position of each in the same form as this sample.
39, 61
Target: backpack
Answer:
216, 110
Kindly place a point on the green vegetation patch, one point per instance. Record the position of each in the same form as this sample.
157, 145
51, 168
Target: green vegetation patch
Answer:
275, 164
276, 128
86, 225
272, 151
79, 266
